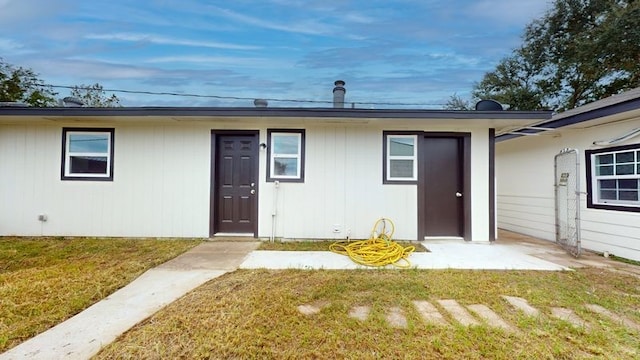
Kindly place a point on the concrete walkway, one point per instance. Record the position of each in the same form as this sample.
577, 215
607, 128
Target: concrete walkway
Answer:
83, 335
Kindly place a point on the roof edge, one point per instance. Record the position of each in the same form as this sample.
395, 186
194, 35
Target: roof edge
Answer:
274, 112
562, 120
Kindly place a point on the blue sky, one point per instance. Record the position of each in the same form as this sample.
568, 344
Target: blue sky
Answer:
405, 51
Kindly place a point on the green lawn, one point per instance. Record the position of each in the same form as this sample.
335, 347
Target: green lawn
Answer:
253, 314
45, 281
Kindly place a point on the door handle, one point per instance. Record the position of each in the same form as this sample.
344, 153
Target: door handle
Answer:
252, 191
458, 194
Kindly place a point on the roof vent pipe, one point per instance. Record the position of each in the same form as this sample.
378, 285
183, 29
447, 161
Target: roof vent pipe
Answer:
338, 94
260, 103
71, 101
12, 104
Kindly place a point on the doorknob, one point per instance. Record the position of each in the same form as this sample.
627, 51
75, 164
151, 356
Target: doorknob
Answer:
458, 194
253, 191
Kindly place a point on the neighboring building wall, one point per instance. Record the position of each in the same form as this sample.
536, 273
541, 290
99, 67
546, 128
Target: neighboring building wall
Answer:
162, 182
525, 182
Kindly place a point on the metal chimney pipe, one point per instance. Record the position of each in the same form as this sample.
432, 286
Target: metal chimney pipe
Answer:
338, 94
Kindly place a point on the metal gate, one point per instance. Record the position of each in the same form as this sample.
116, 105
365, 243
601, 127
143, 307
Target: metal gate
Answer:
567, 196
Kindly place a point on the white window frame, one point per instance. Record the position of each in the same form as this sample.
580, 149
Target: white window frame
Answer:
389, 157
298, 156
68, 154
595, 178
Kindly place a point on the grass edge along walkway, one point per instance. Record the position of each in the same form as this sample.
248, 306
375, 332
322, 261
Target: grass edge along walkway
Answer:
44, 281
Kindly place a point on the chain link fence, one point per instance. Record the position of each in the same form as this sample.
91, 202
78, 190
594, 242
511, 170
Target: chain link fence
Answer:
567, 196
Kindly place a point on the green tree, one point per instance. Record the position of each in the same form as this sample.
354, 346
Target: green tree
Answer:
94, 96
457, 102
18, 84
578, 52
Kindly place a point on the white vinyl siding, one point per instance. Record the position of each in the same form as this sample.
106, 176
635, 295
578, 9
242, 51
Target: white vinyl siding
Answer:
162, 184
160, 189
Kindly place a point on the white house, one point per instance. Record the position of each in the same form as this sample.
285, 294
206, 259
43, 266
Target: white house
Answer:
260, 172
606, 135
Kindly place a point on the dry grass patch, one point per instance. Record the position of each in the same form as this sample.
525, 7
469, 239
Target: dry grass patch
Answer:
45, 281
253, 314
321, 245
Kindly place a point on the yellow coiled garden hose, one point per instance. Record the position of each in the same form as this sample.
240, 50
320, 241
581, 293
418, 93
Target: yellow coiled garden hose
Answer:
378, 250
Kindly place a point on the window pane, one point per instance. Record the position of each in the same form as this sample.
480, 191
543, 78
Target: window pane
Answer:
629, 195
624, 157
401, 169
285, 144
624, 169
401, 146
604, 159
605, 170
88, 165
608, 195
628, 184
93, 143
607, 184
285, 167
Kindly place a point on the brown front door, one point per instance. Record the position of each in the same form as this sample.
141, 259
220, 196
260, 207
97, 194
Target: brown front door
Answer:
235, 183
442, 187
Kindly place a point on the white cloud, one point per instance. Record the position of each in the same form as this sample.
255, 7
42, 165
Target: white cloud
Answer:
155, 39
307, 26
234, 61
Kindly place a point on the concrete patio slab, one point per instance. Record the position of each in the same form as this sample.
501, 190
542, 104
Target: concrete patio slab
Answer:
443, 255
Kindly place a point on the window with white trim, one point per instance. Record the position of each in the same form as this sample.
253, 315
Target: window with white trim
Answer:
87, 154
614, 178
401, 158
286, 155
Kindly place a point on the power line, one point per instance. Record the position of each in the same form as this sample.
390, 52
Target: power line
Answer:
221, 97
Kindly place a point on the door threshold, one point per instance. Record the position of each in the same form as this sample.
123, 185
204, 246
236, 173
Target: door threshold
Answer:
219, 234
442, 238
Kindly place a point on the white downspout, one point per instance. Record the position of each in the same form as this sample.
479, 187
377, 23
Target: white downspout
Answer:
274, 212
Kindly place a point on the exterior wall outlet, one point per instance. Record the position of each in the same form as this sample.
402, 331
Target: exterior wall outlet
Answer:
336, 228
42, 217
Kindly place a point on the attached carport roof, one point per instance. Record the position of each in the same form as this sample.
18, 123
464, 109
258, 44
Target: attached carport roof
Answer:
491, 119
